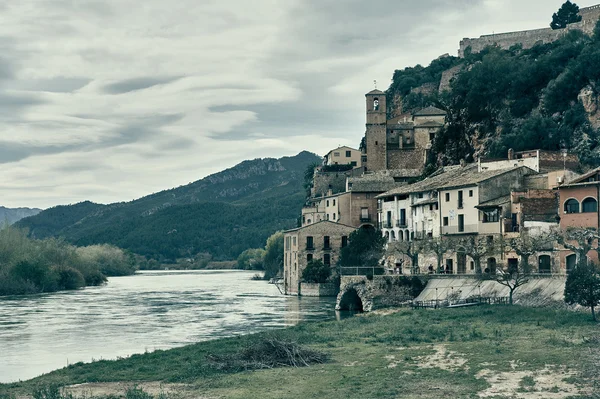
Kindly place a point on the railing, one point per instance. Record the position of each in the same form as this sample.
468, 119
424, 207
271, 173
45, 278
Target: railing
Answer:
365, 219
401, 224
467, 228
388, 225
444, 303
361, 271
310, 247
327, 248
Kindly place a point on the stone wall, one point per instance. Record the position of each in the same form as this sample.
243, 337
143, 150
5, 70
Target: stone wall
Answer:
406, 159
318, 290
447, 77
376, 293
325, 181
376, 147
530, 38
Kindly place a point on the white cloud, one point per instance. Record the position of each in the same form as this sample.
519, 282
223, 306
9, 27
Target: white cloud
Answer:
110, 100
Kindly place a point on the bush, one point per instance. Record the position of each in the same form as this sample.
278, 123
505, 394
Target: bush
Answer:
316, 272
69, 278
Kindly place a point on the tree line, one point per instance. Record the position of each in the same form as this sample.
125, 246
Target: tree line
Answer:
29, 266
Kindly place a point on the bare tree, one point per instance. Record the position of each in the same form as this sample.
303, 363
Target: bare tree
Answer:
439, 246
410, 249
580, 241
477, 247
525, 245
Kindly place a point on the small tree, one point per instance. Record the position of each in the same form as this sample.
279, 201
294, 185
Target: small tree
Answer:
525, 245
273, 259
567, 14
365, 248
476, 247
410, 249
580, 241
439, 246
583, 287
316, 272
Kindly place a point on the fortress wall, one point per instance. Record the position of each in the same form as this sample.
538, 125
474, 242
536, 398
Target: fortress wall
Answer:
529, 38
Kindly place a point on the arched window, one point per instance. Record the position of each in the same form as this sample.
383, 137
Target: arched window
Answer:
572, 206
401, 236
571, 262
393, 235
589, 205
387, 235
376, 104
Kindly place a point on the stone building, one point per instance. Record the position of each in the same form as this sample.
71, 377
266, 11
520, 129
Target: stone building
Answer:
322, 240
399, 145
343, 156
530, 38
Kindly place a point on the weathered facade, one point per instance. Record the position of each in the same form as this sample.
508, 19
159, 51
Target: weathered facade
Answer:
319, 241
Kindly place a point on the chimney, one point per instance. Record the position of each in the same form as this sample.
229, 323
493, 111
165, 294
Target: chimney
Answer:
511, 154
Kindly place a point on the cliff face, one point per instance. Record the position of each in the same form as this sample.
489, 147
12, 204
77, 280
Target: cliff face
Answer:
10, 216
222, 214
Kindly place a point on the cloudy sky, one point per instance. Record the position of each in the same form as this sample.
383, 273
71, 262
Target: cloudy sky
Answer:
110, 100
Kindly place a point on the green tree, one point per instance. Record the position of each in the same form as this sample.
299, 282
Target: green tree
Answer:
316, 272
251, 259
273, 259
583, 286
567, 14
365, 248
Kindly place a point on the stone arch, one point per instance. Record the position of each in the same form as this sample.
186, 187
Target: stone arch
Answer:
393, 235
401, 235
354, 297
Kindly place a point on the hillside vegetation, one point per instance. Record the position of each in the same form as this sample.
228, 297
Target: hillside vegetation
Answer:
219, 216
30, 266
545, 97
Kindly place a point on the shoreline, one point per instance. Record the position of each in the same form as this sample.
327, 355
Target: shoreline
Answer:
449, 349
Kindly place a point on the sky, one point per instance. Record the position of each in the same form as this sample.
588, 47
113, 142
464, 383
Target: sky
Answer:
111, 100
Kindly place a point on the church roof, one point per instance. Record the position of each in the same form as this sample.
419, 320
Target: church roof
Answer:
430, 111
430, 124
375, 92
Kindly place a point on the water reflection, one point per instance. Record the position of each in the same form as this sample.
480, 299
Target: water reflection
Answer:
152, 310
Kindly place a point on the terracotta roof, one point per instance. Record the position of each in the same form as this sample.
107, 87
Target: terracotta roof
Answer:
430, 111
314, 224
375, 92
373, 183
494, 203
432, 182
473, 178
429, 124
430, 201
401, 126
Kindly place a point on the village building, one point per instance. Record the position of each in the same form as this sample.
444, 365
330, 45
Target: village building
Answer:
343, 156
578, 207
399, 146
318, 241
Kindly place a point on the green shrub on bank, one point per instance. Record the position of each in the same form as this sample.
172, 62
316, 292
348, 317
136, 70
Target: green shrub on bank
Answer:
29, 266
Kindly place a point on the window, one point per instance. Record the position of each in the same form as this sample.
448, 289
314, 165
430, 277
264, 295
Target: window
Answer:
353, 163
447, 197
344, 241
375, 104
309, 257
308, 221
445, 221
461, 223
470, 193
376, 143
348, 154
589, 205
327, 202
327, 216
309, 243
326, 244
336, 154
572, 206
420, 195
333, 202
460, 200
364, 215
287, 243
491, 216
327, 259
294, 241
431, 136
334, 216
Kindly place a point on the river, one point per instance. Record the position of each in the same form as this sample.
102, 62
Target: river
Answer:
148, 311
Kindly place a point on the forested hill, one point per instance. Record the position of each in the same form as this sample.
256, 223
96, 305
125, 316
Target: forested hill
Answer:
545, 97
221, 215
12, 215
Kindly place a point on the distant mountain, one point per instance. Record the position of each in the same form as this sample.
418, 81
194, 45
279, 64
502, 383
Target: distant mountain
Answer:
222, 214
15, 214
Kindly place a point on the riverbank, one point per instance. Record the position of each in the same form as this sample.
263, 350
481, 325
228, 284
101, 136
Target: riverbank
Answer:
498, 351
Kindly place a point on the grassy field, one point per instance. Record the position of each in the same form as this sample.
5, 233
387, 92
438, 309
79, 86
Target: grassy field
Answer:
493, 352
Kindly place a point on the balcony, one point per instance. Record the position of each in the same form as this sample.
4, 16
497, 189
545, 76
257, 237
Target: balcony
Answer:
327, 248
388, 224
466, 229
310, 247
365, 219
402, 224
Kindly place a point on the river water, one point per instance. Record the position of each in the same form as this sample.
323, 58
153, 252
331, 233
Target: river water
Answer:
148, 311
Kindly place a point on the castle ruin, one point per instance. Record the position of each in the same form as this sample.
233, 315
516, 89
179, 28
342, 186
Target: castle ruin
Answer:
530, 38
